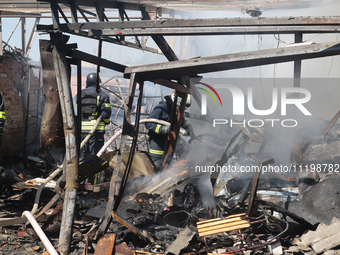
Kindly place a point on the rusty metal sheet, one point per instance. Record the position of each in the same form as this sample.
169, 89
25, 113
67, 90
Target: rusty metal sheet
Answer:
123, 249
106, 244
51, 133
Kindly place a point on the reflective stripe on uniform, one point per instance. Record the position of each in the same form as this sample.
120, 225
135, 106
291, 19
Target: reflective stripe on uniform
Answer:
2, 115
106, 121
157, 152
107, 105
186, 124
87, 125
158, 127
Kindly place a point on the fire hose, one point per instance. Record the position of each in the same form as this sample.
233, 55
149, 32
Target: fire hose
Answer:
100, 152
60, 168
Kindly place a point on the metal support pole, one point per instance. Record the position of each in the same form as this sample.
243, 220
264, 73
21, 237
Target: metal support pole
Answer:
71, 155
32, 35
79, 101
23, 35
27, 109
121, 18
297, 65
100, 43
134, 141
15, 27
1, 36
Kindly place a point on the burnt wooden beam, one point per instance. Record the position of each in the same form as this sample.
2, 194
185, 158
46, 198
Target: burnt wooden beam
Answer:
195, 66
96, 60
79, 55
87, 3
222, 31
227, 22
73, 7
115, 41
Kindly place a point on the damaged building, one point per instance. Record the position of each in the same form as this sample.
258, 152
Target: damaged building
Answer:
259, 172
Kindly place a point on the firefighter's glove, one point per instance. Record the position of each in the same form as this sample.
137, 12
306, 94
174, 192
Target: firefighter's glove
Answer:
164, 130
190, 132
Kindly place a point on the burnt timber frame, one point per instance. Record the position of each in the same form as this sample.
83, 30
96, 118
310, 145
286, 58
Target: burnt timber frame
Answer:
194, 66
180, 70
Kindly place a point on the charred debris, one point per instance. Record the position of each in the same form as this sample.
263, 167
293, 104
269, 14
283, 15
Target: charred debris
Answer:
178, 212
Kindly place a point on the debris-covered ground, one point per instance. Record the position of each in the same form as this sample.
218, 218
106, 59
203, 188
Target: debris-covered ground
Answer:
179, 211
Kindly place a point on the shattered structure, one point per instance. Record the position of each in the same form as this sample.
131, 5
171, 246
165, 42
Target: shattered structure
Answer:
134, 210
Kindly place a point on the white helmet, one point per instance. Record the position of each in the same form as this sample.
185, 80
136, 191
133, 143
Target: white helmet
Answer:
179, 100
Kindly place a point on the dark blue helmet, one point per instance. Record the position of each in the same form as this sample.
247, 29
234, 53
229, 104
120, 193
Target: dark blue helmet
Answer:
91, 79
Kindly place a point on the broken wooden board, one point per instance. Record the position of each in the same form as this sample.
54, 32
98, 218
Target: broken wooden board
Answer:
141, 163
181, 241
142, 234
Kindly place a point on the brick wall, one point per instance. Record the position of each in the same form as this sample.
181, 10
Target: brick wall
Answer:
13, 85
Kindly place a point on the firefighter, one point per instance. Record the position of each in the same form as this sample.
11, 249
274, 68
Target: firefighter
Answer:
93, 104
158, 133
2, 116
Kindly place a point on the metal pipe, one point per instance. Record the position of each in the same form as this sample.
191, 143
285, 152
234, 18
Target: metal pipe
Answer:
133, 145
107, 144
27, 110
79, 103
37, 195
49, 247
60, 168
13, 31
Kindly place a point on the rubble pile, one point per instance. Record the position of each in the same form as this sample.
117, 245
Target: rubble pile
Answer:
180, 211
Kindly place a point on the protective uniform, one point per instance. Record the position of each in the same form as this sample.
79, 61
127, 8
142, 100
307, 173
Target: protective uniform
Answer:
93, 104
158, 133
2, 116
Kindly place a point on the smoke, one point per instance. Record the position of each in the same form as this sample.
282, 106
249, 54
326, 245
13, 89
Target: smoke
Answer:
205, 188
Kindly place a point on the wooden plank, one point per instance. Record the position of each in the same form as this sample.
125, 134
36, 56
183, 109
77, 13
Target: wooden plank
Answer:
219, 222
228, 229
228, 217
221, 226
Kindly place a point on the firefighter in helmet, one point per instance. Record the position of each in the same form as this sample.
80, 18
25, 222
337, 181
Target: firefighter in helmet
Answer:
93, 104
158, 133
